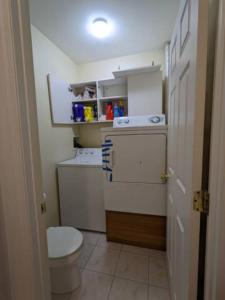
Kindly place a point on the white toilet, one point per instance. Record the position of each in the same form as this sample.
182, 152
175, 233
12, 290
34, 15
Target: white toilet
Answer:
64, 246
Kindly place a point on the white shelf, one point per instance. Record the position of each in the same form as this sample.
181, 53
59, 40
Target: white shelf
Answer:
85, 100
113, 98
125, 73
106, 121
81, 84
81, 123
93, 122
101, 99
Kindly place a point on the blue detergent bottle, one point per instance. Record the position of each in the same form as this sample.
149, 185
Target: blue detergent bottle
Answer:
121, 109
116, 110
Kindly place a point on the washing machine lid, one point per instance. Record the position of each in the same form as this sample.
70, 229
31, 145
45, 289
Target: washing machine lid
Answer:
63, 241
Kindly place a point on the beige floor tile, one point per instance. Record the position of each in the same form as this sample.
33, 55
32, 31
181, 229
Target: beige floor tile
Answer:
123, 289
132, 266
102, 242
135, 250
156, 293
156, 253
91, 237
85, 255
103, 260
94, 286
158, 275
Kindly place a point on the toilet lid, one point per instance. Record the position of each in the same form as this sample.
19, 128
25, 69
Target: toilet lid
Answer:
63, 241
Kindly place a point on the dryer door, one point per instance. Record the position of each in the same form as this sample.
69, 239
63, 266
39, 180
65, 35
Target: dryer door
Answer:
139, 158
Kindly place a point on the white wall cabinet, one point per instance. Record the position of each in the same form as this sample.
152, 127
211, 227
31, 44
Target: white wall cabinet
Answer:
145, 93
139, 90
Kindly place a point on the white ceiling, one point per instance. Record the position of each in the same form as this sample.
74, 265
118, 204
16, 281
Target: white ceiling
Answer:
140, 25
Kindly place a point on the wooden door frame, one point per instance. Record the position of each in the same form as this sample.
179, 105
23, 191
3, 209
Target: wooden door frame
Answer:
215, 261
23, 248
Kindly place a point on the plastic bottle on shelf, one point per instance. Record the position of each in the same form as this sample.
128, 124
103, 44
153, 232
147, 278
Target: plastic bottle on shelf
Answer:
121, 109
89, 114
78, 112
109, 111
116, 110
95, 109
75, 111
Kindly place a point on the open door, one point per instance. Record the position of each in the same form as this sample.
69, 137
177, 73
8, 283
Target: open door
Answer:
188, 58
23, 245
215, 259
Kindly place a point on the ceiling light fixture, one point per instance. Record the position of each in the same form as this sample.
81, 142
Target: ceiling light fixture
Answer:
100, 28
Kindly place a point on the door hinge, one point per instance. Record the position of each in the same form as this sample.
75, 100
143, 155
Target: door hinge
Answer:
164, 177
43, 208
201, 202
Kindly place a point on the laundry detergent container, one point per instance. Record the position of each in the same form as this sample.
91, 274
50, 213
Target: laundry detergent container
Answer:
64, 246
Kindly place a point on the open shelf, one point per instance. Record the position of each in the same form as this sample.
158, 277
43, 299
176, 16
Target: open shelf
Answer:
84, 92
111, 88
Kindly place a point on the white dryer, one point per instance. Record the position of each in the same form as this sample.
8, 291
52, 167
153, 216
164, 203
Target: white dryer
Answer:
134, 160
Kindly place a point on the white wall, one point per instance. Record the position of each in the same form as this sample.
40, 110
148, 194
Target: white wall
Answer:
55, 141
103, 69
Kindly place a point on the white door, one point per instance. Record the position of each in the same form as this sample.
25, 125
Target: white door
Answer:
215, 259
23, 246
185, 144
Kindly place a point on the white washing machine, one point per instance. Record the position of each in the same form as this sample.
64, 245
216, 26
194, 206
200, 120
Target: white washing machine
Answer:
134, 159
81, 190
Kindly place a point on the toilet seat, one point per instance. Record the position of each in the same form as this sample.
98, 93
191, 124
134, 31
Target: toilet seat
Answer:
63, 242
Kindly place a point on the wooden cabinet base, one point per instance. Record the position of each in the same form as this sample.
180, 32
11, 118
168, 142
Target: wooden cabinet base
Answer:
136, 229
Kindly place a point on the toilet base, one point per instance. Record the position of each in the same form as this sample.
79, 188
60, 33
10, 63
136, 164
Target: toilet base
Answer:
65, 279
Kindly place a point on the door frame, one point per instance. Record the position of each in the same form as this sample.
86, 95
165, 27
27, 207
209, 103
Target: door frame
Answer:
23, 245
215, 262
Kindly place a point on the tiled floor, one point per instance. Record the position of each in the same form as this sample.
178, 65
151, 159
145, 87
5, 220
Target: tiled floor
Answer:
112, 271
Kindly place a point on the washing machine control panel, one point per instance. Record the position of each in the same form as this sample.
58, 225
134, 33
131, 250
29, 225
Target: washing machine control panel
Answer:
88, 156
139, 121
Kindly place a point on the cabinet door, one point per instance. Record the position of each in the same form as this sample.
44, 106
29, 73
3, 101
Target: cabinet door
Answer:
145, 93
60, 100
138, 158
